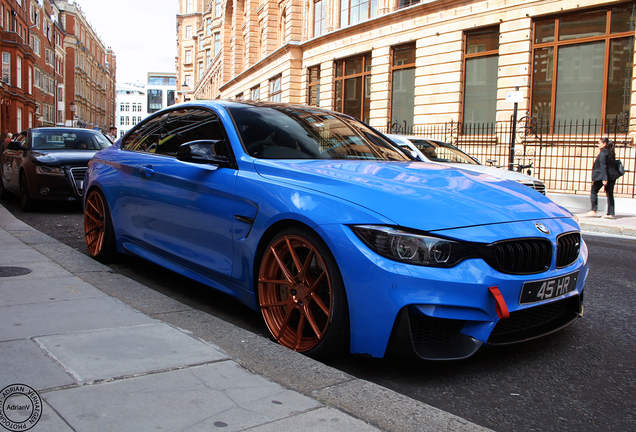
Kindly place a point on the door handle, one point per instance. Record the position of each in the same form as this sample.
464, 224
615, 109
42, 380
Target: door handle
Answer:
147, 170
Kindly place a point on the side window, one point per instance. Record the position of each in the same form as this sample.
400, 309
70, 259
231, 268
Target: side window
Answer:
165, 134
146, 137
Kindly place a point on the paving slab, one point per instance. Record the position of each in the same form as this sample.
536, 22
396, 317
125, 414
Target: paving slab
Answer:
15, 290
321, 420
22, 361
118, 352
41, 319
218, 396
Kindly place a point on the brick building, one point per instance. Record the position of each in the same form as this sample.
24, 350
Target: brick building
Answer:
414, 63
55, 69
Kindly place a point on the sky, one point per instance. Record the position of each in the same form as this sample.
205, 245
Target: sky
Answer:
142, 33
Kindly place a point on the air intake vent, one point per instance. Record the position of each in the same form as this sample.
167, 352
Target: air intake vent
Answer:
568, 249
521, 256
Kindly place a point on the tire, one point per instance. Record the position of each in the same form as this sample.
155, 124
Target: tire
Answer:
98, 228
4, 194
27, 203
302, 296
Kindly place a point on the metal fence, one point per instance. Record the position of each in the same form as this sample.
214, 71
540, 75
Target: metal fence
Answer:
560, 154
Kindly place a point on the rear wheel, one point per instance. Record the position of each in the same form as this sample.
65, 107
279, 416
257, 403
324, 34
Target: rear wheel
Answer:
302, 296
98, 228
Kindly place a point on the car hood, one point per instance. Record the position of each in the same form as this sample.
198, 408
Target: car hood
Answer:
416, 195
63, 157
498, 172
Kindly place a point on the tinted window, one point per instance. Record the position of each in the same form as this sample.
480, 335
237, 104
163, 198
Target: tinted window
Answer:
166, 133
439, 151
60, 139
304, 133
146, 137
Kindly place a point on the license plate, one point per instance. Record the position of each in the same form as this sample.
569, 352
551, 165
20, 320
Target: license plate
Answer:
548, 288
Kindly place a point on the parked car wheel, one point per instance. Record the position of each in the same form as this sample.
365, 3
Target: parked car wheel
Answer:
98, 228
25, 197
301, 294
4, 194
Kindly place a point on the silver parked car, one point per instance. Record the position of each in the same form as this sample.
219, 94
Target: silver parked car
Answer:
431, 150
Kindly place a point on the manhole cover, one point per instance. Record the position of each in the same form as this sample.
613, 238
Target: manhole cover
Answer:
13, 271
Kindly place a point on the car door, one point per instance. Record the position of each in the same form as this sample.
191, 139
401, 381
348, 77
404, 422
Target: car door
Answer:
185, 209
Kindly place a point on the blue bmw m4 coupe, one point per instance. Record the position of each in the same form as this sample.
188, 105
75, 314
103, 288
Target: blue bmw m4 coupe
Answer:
336, 235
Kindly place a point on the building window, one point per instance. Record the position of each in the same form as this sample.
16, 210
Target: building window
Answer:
188, 32
171, 99
353, 87
403, 85
188, 57
217, 8
35, 45
19, 118
274, 89
217, 43
255, 93
188, 80
319, 17
582, 66
18, 74
313, 91
6, 68
355, 11
407, 3
208, 58
155, 99
480, 76
189, 6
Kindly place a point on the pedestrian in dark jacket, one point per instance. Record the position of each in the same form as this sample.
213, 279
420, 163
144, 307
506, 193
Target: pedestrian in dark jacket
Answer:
604, 174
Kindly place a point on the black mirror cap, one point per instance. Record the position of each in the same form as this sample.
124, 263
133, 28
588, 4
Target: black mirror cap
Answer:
15, 145
202, 151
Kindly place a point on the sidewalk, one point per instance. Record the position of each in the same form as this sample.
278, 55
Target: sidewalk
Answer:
624, 224
80, 337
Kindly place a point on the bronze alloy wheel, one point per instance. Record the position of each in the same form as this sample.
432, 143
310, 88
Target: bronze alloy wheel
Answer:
98, 229
296, 292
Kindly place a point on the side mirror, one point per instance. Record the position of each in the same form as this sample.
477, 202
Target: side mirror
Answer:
202, 151
15, 145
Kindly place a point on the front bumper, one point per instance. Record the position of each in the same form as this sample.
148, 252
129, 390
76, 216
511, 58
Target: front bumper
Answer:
58, 188
448, 313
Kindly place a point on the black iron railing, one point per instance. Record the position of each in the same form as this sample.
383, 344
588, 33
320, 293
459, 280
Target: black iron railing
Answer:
561, 154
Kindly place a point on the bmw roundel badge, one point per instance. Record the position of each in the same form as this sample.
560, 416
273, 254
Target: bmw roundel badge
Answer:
544, 229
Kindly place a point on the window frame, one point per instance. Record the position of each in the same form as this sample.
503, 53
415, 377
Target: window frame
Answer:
365, 76
556, 44
477, 55
396, 68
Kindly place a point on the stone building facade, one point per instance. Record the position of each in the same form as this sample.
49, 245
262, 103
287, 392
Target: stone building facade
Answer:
415, 63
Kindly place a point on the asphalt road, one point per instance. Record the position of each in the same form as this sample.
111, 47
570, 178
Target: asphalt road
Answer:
580, 379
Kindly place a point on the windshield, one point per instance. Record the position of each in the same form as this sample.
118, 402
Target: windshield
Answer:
439, 151
68, 140
298, 132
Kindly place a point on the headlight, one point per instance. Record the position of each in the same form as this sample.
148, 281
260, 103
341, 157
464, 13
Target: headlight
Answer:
52, 171
412, 248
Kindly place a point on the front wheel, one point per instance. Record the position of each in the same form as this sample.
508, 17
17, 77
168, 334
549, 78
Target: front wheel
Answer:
26, 202
98, 228
302, 296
